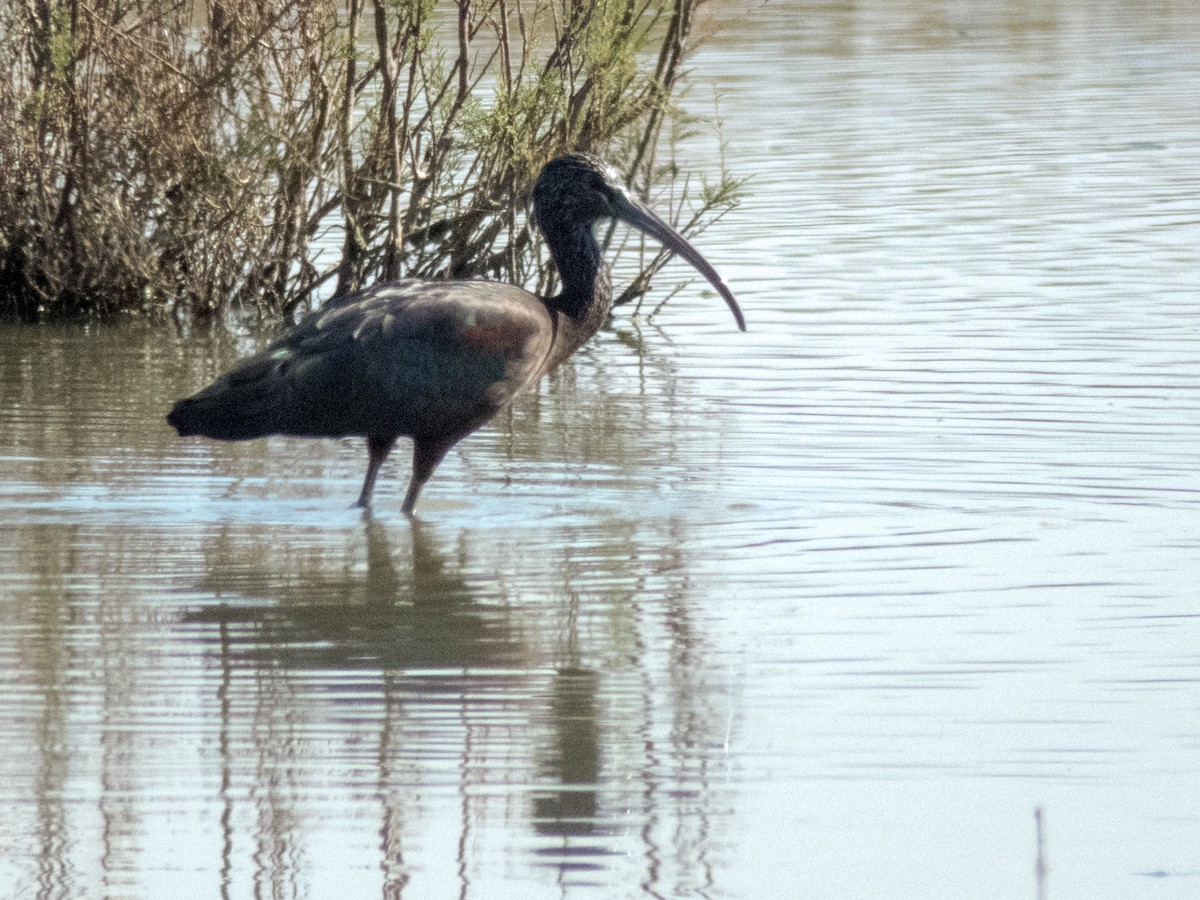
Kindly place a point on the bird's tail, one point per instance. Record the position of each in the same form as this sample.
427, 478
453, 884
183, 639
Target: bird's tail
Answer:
246, 402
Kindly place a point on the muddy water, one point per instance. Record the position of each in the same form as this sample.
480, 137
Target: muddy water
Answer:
826, 609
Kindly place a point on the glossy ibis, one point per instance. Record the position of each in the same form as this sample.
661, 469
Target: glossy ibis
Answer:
432, 359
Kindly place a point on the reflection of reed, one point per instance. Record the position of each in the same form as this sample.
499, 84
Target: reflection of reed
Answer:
612, 407
50, 730
574, 763
676, 782
376, 654
491, 685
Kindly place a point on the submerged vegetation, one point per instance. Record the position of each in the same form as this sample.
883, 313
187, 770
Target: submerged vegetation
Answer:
207, 156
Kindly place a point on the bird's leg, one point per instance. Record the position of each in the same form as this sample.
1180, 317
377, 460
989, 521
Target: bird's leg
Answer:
379, 448
426, 456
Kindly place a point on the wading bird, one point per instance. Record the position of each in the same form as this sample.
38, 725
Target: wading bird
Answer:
433, 360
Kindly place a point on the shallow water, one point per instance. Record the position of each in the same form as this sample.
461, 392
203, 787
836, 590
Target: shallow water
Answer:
826, 609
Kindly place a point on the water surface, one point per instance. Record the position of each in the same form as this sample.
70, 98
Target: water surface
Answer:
826, 609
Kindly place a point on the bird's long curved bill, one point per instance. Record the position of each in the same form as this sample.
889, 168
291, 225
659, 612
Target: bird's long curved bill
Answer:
641, 218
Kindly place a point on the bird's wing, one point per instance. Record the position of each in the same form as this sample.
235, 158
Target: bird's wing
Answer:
411, 357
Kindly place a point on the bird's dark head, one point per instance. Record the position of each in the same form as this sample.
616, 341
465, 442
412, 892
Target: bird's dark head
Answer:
576, 190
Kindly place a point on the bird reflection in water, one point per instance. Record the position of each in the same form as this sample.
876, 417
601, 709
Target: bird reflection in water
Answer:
380, 619
450, 670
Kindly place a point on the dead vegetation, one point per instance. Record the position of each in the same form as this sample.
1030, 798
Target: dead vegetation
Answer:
202, 157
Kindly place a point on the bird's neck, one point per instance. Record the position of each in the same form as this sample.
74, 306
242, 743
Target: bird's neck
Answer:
572, 330
583, 304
